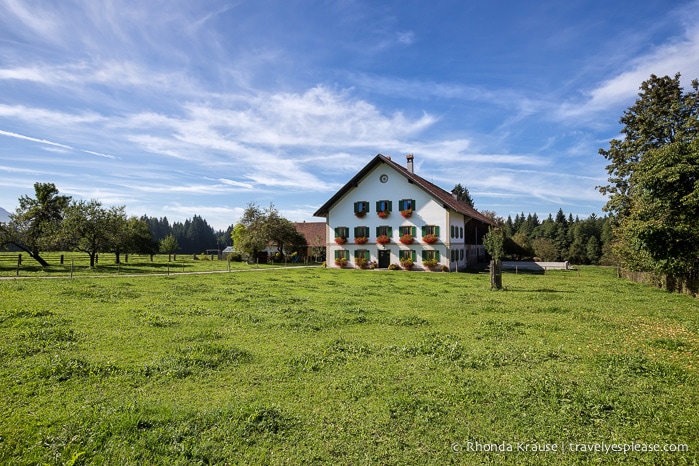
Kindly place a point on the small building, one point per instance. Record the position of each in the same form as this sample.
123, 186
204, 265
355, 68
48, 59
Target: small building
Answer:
386, 214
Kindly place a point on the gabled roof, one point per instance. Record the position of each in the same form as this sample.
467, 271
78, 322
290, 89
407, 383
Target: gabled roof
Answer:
446, 198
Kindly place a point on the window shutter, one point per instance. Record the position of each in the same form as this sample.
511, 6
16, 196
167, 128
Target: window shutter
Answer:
413, 230
412, 204
436, 230
436, 255
356, 232
377, 231
336, 232
413, 255
337, 254
390, 232
424, 229
424, 255
378, 206
390, 206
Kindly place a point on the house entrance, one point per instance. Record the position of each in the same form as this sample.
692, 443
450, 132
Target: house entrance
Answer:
384, 258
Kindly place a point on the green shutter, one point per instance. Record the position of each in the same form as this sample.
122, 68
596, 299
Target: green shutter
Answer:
436, 255
413, 230
377, 231
390, 206
390, 232
412, 204
356, 230
413, 255
424, 229
436, 230
337, 254
336, 233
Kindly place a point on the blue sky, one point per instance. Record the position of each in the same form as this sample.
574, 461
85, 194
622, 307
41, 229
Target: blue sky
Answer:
181, 108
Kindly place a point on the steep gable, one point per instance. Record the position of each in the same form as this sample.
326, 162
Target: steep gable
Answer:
445, 198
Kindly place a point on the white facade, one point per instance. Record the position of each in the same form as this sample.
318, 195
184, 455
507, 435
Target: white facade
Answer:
383, 180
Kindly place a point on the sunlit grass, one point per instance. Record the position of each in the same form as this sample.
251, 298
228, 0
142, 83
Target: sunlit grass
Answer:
343, 367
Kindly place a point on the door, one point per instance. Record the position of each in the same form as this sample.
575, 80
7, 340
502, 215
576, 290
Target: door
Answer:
384, 258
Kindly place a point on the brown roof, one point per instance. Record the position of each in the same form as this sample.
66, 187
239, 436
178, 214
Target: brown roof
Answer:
314, 232
446, 198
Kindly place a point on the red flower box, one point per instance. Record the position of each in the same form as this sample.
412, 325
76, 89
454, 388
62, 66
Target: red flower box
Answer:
382, 214
430, 239
407, 239
383, 239
407, 213
361, 240
340, 240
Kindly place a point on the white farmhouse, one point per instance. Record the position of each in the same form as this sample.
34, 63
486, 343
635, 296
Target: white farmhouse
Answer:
386, 214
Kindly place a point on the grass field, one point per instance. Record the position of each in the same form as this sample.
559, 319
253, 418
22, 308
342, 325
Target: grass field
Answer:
78, 264
316, 366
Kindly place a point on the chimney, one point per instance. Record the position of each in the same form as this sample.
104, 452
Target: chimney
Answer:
410, 163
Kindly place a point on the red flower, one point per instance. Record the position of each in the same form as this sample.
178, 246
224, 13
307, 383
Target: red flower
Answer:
383, 239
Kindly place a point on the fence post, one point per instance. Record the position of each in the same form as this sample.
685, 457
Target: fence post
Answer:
19, 262
62, 258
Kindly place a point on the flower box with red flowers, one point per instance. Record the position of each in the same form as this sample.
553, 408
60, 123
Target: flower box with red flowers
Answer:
360, 214
361, 262
382, 214
383, 239
431, 263
407, 239
430, 239
340, 240
407, 213
361, 240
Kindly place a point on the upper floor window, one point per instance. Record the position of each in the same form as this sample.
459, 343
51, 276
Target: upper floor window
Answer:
407, 230
406, 204
384, 206
361, 208
341, 232
430, 230
384, 230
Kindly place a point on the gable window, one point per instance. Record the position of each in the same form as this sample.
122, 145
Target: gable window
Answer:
361, 208
383, 208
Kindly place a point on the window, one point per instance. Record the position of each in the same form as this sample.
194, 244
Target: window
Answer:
341, 232
406, 254
451, 231
341, 254
361, 232
361, 207
384, 206
362, 254
407, 230
430, 230
430, 255
384, 230
462, 254
453, 259
406, 204
461, 232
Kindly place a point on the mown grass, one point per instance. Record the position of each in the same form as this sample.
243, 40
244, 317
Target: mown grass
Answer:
320, 366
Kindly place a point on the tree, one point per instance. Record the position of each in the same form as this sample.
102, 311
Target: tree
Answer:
494, 242
169, 245
462, 194
653, 185
259, 228
545, 249
661, 230
34, 225
90, 228
662, 115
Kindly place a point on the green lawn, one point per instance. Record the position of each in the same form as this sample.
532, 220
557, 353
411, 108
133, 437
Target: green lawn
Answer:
305, 366
78, 264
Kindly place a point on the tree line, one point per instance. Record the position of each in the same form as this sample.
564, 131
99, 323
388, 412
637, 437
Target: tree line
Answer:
54, 222
586, 241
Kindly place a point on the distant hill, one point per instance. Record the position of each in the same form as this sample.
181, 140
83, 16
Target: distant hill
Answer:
4, 215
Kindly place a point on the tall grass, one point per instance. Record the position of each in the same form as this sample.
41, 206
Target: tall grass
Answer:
344, 367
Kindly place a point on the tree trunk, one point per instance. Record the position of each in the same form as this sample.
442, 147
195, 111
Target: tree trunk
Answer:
92, 260
495, 274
